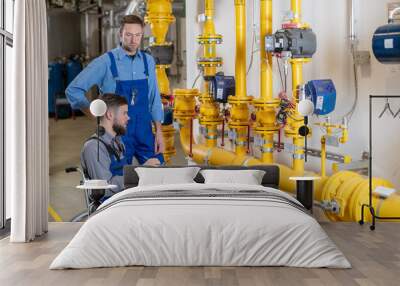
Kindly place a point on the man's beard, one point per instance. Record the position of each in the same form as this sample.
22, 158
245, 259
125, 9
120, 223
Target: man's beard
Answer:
119, 129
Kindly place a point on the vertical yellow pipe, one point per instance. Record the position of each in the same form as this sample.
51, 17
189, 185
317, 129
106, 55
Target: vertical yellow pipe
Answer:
239, 119
296, 9
240, 65
159, 16
209, 109
297, 79
298, 141
265, 104
209, 49
162, 79
266, 58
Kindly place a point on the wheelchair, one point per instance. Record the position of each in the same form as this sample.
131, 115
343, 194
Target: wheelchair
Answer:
93, 198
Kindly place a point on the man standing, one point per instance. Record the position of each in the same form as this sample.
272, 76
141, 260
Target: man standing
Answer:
128, 72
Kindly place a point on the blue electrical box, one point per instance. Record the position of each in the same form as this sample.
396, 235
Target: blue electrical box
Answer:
323, 94
222, 86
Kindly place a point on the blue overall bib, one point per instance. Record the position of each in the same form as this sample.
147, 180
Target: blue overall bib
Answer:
139, 138
117, 157
118, 161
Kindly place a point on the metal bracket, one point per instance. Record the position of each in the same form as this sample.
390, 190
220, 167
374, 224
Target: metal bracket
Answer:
332, 140
331, 206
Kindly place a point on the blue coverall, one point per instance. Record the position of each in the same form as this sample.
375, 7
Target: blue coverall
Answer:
134, 78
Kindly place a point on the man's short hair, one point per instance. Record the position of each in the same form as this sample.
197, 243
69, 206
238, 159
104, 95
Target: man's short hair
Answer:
131, 19
113, 101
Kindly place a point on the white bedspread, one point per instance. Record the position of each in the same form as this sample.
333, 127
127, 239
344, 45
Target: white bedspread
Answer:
183, 231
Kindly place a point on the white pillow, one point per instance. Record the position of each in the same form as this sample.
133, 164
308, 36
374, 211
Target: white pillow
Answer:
248, 177
166, 176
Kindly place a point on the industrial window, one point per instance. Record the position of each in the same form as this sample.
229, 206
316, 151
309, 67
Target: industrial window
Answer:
6, 44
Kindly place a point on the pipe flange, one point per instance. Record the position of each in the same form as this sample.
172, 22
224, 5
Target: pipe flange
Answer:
300, 60
186, 92
239, 100
158, 18
238, 124
169, 153
271, 103
209, 39
267, 130
162, 66
297, 156
216, 59
267, 150
203, 65
212, 122
240, 143
211, 137
209, 62
183, 115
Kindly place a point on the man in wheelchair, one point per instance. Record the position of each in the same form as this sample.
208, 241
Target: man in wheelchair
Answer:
108, 164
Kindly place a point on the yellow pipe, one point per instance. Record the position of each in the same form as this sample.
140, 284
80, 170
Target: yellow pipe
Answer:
296, 121
323, 156
240, 64
297, 79
209, 110
209, 39
162, 79
266, 87
349, 189
239, 119
159, 16
265, 117
296, 9
209, 49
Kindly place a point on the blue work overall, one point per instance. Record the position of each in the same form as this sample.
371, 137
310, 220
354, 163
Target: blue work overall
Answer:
139, 138
118, 161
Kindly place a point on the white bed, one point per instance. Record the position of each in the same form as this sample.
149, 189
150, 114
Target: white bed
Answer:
219, 227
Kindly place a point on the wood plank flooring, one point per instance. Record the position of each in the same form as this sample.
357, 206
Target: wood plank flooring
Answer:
375, 257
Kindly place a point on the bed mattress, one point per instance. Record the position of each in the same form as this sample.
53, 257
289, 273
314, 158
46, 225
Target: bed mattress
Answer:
201, 225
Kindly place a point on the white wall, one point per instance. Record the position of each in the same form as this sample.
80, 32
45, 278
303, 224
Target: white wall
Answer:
329, 19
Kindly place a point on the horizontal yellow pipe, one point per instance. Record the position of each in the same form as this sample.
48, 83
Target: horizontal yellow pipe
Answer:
215, 156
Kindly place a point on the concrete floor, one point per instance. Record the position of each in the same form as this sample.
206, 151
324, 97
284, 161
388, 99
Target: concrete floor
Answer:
66, 138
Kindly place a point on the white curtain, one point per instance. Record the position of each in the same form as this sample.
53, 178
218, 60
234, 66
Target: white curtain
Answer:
27, 124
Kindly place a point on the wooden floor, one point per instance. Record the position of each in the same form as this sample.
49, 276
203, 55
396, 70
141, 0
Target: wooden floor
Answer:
375, 257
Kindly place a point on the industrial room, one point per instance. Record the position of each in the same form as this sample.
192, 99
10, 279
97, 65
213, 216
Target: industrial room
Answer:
303, 91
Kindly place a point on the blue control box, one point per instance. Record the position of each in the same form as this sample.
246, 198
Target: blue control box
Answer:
323, 94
